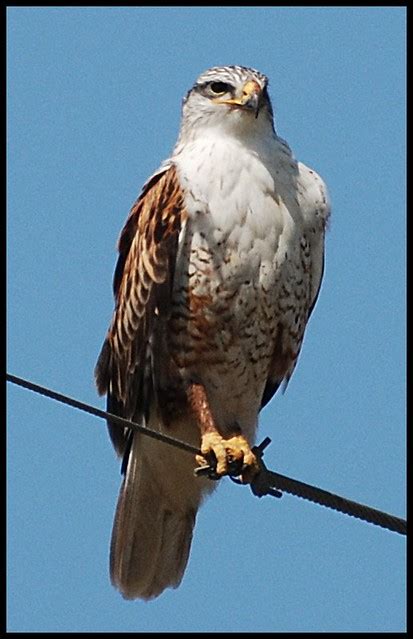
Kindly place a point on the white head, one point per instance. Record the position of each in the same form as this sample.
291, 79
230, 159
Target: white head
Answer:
233, 99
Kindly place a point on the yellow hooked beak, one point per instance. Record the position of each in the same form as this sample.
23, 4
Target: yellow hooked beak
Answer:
250, 97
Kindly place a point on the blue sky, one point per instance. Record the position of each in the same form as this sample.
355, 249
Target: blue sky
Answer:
94, 100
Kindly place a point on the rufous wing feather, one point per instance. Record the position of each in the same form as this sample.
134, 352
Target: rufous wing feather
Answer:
142, 286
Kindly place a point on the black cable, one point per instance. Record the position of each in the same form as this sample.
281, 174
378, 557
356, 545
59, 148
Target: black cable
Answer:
273, 481
64, 399
346, 506
266, 481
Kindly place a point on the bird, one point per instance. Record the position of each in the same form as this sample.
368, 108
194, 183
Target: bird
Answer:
220, 263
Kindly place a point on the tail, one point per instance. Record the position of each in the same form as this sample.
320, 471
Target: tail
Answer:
154, 520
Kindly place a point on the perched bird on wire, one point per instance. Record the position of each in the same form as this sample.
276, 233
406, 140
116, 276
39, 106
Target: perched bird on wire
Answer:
220, 264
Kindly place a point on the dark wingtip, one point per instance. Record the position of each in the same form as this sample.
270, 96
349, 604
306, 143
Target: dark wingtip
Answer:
102, 369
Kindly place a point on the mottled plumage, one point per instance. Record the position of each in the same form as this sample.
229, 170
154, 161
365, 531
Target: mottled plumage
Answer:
220, 264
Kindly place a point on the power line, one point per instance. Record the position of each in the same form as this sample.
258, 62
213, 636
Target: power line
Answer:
266, 482
92, 410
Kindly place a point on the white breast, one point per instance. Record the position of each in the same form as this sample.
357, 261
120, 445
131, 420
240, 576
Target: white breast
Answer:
244, 194
249, 205
253, 196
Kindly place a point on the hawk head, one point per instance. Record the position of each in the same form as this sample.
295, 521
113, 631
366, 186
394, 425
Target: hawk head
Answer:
231, 97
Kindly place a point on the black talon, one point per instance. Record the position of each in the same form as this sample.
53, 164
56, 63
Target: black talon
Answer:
236, 467
209, 469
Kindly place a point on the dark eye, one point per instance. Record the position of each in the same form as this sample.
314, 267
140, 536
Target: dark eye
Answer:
220, 87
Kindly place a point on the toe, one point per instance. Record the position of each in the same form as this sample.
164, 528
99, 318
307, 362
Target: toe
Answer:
239, 449
212, 444
229, 456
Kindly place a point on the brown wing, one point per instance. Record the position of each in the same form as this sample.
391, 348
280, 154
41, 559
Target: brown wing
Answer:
142, 287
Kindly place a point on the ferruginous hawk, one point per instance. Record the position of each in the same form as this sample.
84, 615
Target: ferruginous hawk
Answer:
220, 264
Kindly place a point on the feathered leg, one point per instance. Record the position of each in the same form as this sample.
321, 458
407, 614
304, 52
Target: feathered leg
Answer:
225, 451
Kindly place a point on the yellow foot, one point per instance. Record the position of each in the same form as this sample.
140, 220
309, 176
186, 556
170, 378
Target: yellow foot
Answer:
232, 452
